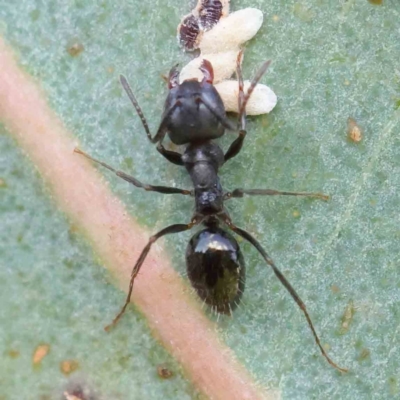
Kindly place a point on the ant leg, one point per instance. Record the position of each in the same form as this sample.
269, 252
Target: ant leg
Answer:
245, 235
236, 146
239, 75
270, 192
172, 156
176, 228
162, 129
135, 182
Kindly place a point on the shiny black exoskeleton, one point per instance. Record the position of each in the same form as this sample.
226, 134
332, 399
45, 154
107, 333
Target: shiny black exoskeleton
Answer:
194, 115
193, 110
216, 268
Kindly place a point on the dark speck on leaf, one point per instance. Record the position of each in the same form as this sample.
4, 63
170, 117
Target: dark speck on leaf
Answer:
164, 372
75, 48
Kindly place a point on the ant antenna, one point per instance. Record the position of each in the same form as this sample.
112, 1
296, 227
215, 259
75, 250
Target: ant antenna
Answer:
253, 84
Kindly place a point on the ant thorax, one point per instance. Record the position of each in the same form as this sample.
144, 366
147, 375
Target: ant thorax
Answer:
202, 161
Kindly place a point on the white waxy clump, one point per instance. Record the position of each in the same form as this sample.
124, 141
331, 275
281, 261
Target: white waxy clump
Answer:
224, 66
231, 32
261, 101
220, 45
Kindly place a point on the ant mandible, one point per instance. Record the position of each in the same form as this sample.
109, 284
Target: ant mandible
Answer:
194, 115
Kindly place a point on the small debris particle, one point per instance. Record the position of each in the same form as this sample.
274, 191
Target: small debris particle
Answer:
34, 14
305, 14
275, 18
393, 385
40, 352
13, 353
110, 70
335, 289
376, 2
365, 353
347, 317
71, 396
79, 391
73, 228
67, 367
296, 213
347, 82
164, 372
75, 48
354, 132
2, 183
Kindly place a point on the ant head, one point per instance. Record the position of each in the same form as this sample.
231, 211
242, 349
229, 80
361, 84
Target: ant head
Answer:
193, 110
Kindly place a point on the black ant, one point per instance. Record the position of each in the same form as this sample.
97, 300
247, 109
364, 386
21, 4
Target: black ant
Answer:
193, 115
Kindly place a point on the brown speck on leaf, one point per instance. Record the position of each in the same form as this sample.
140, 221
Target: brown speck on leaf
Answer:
75, 48
164, 372
67, 367
365, 353
376, 2
73, 228
78, 390
354, 132
335, 289
347, 317
69, 396
40, 352
13, 353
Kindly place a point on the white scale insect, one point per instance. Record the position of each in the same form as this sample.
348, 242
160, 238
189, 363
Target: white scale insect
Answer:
219, 36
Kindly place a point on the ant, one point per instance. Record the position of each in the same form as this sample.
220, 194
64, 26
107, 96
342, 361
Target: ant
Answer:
194, 115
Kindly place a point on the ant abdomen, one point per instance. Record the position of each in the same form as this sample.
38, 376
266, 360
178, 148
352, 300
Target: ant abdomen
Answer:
216, 268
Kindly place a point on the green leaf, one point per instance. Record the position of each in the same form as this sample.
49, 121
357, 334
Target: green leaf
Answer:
331, 61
